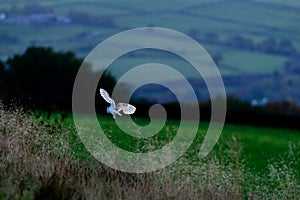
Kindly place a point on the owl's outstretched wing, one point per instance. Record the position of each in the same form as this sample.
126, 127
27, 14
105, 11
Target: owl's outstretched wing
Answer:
107, 98
126, 108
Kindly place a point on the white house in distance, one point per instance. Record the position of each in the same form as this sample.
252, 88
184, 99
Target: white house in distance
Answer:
2, 16
259, 102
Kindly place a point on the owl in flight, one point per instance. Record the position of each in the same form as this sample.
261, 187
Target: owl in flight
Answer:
113, 109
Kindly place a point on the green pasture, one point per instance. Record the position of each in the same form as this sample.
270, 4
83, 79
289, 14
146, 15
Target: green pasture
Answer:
90, 7
260, 146
253, 62
252, 14
286, 3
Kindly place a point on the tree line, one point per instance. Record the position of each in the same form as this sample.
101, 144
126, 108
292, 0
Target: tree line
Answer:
269, 45
43, 79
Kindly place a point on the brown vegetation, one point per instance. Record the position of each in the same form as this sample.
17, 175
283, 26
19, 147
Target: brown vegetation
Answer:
36, 163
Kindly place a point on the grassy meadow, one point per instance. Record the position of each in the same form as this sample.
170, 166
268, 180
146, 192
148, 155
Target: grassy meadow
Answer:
43, 157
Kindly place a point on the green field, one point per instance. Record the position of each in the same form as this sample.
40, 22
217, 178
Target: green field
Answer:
260, 145
258, 64
42, 155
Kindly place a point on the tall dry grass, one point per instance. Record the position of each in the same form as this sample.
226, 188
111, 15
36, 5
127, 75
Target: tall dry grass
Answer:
37, 163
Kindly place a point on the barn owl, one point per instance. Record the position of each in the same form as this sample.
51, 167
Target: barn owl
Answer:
113, 109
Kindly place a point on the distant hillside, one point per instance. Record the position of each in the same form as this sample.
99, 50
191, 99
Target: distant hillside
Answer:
255, 43
248, 88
